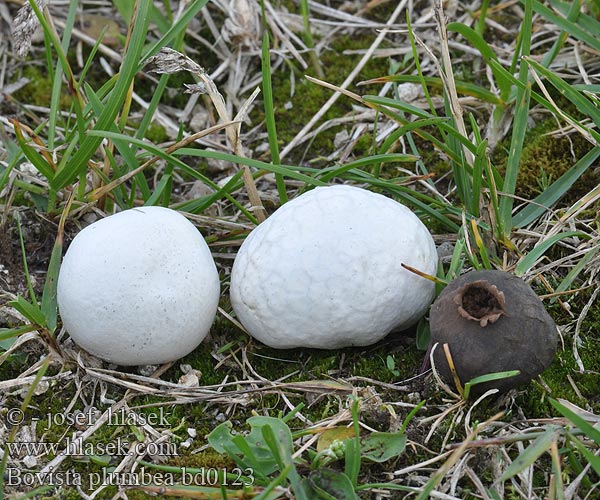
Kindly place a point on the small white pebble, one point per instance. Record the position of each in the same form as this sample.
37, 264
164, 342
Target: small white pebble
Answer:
147, 370
186, 444
413, 397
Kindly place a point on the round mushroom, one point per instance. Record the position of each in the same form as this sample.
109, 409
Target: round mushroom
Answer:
325, 271
492, 322
139, 287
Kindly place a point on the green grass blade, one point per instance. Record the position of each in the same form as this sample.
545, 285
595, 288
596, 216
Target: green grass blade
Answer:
478, 167
157, 94
159, 190
32, 296
308, 39
408, 127
280, 446
584, 21
556, 190
532, 453
270, 115
592, 459
183, 166
583, 425
415, 54
331, 172
591, 39
7, 335
464, 88
69, 170
49, 304
504, 214
123, 146
268, 493
29, 309
173, 31
486, 52
592, 88
572, 15
529, 260
568, 280
352, 454
581, 102
201, 204
36, 159
488, 377
288, 171
445, 127
57, 80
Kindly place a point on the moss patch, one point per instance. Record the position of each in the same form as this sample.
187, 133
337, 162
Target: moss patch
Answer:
547, 157
38, 91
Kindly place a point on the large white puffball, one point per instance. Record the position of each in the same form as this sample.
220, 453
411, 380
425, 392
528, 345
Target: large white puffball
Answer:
139, 287
325, 271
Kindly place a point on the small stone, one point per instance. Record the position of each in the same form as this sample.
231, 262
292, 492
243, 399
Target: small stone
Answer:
189, 379
341, 138
413, 397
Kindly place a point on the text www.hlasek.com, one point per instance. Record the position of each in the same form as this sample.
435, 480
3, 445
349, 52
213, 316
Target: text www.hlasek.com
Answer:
78, 447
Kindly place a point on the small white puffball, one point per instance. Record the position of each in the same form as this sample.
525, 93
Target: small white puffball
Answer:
324, 271
139, 287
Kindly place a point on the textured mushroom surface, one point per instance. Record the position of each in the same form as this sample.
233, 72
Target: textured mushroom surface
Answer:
492, 322
325, 271
139, 287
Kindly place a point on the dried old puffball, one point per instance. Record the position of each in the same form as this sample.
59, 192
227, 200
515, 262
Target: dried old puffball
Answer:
492, 322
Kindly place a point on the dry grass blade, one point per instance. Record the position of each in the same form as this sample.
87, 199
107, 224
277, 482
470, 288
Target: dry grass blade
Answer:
65, 453
25, 25
301, 136
171, 61
454, 458
447, 75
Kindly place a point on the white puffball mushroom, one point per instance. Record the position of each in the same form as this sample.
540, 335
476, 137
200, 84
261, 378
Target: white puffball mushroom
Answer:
139, 287
324, 271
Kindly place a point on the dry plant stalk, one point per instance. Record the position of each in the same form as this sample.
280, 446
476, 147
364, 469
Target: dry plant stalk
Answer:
301, 136
25, 25
448, 76
170, 61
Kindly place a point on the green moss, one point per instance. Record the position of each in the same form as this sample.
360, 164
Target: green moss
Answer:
534, 400
38, 91
204, 459
547, 157
156, 133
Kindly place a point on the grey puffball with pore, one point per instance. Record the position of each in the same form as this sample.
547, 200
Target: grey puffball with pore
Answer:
492, 322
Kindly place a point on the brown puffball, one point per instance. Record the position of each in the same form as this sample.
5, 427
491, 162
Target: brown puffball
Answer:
492, 321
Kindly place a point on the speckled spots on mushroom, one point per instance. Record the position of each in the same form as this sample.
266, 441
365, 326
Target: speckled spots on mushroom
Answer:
154, 264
